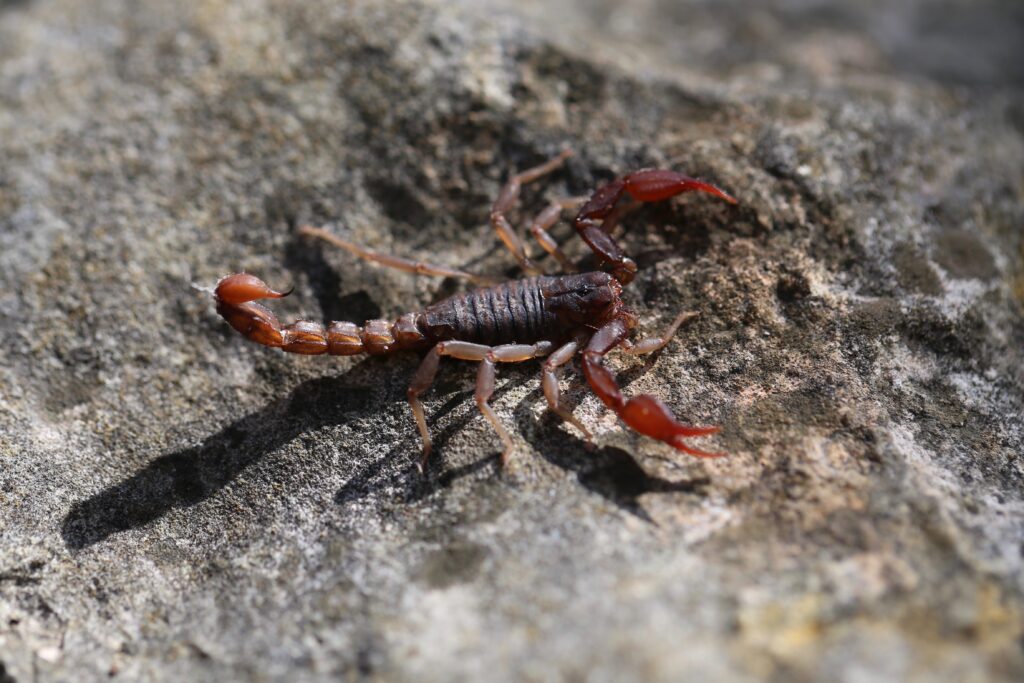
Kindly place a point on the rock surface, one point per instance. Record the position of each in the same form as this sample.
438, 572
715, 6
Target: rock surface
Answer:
177, 504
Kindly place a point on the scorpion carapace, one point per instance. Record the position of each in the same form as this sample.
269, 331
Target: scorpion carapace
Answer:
542, 315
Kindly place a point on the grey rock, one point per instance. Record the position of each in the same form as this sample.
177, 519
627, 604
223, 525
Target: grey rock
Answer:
178, 504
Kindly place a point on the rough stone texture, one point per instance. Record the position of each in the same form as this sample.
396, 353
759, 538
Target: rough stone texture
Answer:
178, 504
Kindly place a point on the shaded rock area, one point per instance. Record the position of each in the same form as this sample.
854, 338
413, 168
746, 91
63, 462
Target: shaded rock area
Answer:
178, 504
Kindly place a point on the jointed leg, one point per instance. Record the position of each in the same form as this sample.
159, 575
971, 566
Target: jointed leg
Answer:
645, 413
390, 261
547, 218
488, 356
550, 382
424, 377
652, 344
507, 199
508, 353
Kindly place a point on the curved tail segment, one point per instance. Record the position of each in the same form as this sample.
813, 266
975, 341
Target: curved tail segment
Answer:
236, 296
646, 414
602, 212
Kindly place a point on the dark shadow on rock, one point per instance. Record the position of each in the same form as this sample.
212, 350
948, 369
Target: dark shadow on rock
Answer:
415, 485
437, 476
192, 475
612, 472
306, 255
616, 475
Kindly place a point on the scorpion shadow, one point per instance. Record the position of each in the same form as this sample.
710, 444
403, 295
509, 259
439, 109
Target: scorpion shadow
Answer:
191, 475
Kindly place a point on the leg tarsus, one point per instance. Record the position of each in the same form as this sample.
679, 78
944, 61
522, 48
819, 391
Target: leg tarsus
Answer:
421, 381
487, 356
543, 222
652, 344
512, 242
506, 353
424, 377
484, 391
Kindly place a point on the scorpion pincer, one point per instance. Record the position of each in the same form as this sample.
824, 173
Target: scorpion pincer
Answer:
550, 316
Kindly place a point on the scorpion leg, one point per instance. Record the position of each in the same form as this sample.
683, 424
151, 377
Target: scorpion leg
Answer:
396, 262
651, 185
547, 218
506, 353
646, 414
652, 344
424, 377
488, 356
549, 381
509, 197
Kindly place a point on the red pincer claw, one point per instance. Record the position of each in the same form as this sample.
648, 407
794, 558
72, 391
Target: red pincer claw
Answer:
649, 416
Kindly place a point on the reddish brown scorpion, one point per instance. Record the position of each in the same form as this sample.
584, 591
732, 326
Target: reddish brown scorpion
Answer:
551, 316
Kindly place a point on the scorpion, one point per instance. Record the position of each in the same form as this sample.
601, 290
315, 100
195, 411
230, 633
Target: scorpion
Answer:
539, 316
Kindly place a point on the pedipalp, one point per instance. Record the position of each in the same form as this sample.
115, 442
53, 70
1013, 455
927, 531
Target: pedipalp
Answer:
648, 185
645, 413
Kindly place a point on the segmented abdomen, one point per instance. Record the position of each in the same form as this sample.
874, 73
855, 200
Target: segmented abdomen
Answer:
512, 312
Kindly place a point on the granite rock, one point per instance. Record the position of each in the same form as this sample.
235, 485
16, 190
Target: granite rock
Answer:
178, 504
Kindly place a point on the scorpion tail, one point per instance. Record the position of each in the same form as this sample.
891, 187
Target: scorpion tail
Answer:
646, 414
236, 297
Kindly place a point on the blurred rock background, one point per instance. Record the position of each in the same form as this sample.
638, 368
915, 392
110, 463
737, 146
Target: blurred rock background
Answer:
177, 504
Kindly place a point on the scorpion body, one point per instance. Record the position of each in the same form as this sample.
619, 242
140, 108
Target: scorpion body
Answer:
544, 308
551, 316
